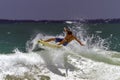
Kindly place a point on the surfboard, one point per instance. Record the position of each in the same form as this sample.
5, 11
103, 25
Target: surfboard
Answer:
50, 45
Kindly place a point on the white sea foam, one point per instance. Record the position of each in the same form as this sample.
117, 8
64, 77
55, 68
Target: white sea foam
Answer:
19, 63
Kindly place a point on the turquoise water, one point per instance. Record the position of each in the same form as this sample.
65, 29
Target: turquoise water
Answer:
15, 35
108, 31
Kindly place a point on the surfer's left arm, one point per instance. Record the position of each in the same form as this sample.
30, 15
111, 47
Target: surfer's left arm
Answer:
79, 41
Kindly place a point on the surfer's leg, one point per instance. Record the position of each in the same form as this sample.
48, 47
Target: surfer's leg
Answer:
51, 39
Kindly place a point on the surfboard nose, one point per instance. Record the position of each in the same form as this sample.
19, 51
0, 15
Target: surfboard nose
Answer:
39, 41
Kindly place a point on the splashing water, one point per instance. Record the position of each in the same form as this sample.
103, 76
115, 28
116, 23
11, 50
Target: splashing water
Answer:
95, 49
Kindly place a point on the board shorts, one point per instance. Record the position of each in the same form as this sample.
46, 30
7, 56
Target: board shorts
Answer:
59, 40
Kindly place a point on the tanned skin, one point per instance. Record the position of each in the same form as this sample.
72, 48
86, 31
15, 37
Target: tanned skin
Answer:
68, 38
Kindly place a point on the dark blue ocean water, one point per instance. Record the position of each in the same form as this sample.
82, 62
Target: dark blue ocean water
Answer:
15, 35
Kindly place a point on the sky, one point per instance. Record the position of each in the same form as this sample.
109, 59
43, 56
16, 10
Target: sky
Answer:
59, 9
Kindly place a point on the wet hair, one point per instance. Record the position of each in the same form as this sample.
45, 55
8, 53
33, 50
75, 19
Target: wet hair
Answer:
69, 32
68, 28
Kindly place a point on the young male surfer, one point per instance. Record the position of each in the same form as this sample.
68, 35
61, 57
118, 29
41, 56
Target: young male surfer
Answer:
67, 39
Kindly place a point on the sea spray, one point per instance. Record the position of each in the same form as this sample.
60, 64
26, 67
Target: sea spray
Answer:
18, 63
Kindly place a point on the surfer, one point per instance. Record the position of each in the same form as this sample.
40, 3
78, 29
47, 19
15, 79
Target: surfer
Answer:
67, 39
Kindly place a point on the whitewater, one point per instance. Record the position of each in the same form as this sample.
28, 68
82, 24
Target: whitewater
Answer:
73, 62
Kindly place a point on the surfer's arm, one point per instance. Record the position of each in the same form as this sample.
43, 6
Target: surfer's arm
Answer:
78, 41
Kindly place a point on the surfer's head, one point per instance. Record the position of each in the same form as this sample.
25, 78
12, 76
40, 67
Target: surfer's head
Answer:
67, 30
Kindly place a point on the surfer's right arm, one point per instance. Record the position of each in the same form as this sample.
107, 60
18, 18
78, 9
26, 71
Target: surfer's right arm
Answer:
79, 41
